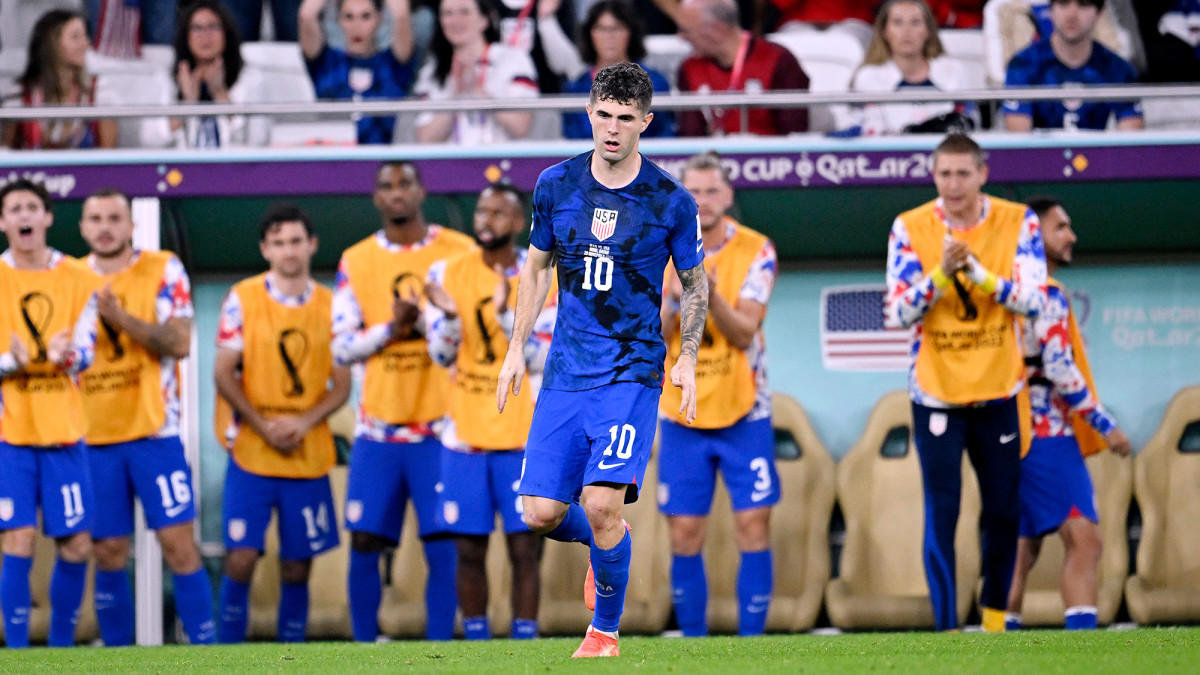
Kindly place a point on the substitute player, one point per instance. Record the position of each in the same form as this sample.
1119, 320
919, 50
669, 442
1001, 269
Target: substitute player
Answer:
131, 399
469, 314
962, 270
275, 329
1068, 424
609, 219
48, 313
396, 454
734, 434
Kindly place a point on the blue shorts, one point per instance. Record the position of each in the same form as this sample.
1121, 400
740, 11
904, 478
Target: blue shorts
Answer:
578, 438
688, 461
383, 477
307, 521
478, 485
1055, 486
155, 470
56, 478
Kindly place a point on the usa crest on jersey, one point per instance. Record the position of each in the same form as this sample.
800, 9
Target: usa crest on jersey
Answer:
604, 223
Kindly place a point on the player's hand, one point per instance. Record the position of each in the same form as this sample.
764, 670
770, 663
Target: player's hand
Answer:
276, 433
683, 375
1118, 442
58, 347
954, 256
438, 297
511, 375
290, 431
406, 309
503, 289
109, 307
20, 352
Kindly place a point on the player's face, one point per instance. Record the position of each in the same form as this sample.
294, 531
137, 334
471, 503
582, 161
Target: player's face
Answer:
1073, 22
959, 180
1058, 237
398, 194
498, 219
106, 225
462, 22
616, 128
288, 249
713, 195
206, 35
358, 20
24, 220
905, 31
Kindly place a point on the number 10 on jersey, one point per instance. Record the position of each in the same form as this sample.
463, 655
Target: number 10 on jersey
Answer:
603, 270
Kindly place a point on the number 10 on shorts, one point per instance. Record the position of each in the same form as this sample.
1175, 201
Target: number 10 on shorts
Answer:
625, 446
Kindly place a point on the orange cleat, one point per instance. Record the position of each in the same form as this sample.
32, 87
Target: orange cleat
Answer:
589, 581
596, 644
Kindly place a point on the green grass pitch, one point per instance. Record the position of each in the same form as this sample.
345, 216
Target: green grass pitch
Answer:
1145, 650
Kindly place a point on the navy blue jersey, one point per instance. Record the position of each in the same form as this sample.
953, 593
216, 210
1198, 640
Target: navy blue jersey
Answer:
337, 75
611, 248
1037, 65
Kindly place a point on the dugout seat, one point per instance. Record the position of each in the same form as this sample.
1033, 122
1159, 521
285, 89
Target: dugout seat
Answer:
1166, 586
44, 556
882, 583
648, 599
1112, 477
799, 531
328, 606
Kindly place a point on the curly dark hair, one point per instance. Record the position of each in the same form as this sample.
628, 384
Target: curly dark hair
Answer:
232, 56
626, 83
443, 52
624, 12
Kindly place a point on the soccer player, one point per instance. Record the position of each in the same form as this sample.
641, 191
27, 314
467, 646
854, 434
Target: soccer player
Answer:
48, 313
276, 329
734, 435
469, 315
609, 219
396, 455
1068, 423
962, 270
131, 399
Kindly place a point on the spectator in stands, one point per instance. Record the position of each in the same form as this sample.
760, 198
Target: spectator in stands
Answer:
1171, 32
249, 15
727, 58
957, 13
55, 74
853, 17
541, 38
905, 52
611, 33
208, 69
1070, 57
121, 26
365, 69
468, 62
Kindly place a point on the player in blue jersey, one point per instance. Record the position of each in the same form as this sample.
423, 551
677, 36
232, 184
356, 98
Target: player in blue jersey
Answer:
1070, 58
609, 220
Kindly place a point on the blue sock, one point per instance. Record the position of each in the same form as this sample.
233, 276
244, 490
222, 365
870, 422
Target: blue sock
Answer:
1081, 618
293, 612
366, 591
574, 527
16, 599
194, 605
611, 569
441, 588
524, 629
234, 613
1012, 621
66, 594
689, 591
476, 628
114, 608
755, 578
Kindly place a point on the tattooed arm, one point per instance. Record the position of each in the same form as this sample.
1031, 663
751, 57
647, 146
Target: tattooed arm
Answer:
693, 311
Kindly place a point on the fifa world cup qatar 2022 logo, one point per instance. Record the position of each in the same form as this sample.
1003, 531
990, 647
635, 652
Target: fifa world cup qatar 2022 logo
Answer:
293, 351
36, 312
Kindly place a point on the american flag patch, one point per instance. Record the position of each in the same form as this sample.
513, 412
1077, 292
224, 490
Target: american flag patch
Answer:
852, 332
604, 223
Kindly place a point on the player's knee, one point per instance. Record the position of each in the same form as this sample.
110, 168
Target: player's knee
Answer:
239, 564
19, 542
1082, 538
179, 549
542, 518
294, 571
472, 551
687, 535
112, 553
76, 548
525, 551
365, 542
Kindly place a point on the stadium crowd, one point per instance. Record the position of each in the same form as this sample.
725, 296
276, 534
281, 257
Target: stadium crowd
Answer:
507, 49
